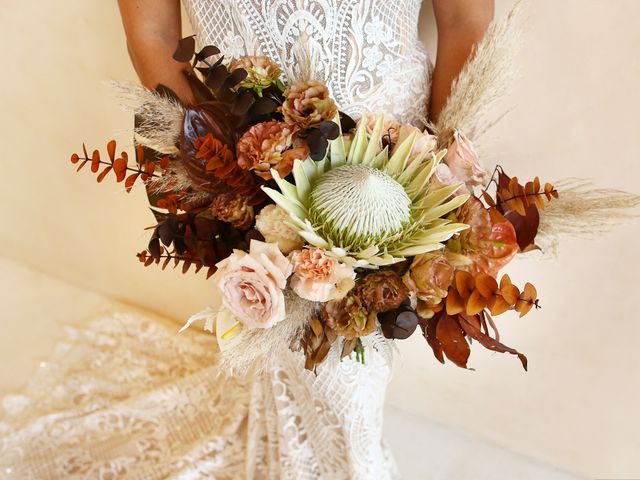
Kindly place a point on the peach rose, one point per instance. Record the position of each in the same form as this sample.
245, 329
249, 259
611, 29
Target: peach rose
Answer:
318, 277
252, 284
390, 127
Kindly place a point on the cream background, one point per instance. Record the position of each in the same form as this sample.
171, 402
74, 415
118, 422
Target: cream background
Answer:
572, 112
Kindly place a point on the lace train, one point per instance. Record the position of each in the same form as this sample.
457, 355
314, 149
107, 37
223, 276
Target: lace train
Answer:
126, 397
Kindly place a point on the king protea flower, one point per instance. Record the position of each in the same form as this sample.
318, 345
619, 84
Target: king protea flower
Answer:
367, 208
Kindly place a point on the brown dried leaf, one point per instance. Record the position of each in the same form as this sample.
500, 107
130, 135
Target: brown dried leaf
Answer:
453, 341
489, 200
429, 333
488, 342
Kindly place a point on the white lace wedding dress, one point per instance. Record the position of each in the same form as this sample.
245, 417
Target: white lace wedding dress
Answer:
127, 397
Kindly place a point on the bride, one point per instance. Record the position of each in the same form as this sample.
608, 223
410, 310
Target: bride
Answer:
125, 396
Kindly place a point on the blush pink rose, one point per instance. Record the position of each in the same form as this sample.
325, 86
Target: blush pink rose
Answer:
424, 140
252, 285
463, 161
318, 277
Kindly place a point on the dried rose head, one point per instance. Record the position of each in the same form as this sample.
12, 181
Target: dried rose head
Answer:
262, 72
233, 209
308, 103
429, 277
382, 291
349, 318
268, 145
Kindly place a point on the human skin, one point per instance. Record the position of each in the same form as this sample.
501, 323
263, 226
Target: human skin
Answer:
153, 28
461, 24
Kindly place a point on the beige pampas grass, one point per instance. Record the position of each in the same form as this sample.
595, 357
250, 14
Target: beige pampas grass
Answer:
485, 78
258, 350
584, 211
160, 118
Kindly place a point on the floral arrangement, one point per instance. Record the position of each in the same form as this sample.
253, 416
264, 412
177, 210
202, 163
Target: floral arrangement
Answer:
323, 230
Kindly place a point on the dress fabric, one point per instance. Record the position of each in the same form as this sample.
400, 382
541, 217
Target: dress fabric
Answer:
126, 397
367, 51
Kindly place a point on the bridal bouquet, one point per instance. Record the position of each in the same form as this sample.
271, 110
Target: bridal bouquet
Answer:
316, 229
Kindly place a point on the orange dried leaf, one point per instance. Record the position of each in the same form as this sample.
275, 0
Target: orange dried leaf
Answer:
111, 150
120, 167
486, 285
455, 303
499, 306
165, 162
95, 161
464, 284
140, 155
104, 173
476, 303
530, 293
130, 181
523, 307
510, 293
506, 280
75, 158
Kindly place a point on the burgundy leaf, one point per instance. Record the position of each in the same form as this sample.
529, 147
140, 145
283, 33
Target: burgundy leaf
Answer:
185, 50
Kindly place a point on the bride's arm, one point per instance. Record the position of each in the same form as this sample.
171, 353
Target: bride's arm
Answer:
153, 28
461, 24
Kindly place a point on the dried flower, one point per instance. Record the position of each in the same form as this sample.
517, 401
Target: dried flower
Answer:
252, 284
429, 277
308, 103
463, 161
318, 277
349, 318
271, 222
267, 145
234, 209
382, 291
261, 71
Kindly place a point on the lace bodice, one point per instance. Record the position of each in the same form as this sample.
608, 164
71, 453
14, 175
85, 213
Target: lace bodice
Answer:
366, 51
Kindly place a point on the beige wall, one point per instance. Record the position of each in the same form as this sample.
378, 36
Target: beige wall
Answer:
573, 112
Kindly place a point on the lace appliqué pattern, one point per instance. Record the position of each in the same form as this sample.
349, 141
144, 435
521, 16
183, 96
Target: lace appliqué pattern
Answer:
366, 51
126, 397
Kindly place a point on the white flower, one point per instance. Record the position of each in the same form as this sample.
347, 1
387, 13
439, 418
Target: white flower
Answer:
272, 224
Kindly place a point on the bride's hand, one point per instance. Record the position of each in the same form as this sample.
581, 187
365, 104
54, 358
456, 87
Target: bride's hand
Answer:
461, 24
153, 29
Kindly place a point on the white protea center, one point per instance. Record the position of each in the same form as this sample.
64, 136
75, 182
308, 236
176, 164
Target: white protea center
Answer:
368, 207
355, 205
